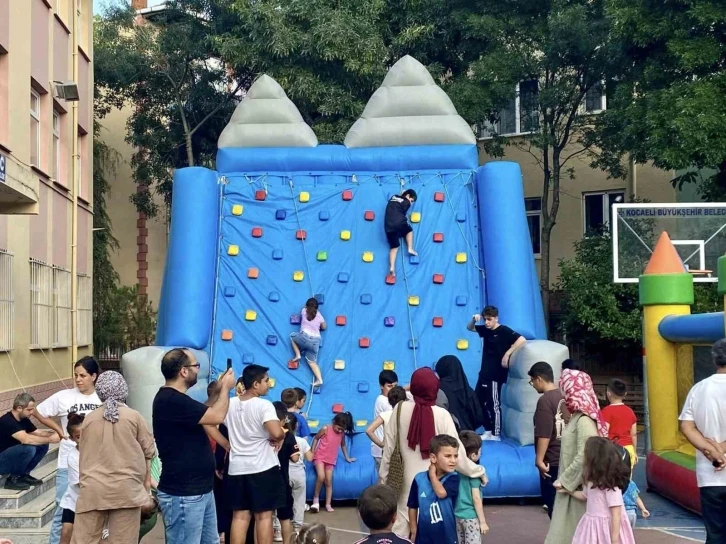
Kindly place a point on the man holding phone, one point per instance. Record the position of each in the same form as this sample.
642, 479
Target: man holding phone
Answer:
187, 459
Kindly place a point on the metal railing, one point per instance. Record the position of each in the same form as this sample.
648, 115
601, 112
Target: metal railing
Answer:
62, 307
7, 302
41, 305
84, 336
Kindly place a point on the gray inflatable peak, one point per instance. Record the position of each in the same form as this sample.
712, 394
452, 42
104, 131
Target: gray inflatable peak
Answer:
409, 109
266, 117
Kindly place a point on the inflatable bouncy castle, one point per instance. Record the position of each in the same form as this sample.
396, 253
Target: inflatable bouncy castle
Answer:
282, 219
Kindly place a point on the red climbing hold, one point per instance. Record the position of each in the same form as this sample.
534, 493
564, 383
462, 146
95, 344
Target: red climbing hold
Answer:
438, 278
347, 195
301, 235
292, 364
260, 194
364, 342
391, 279
438, 237
337, 408
438, 197
438, 322
369, 215
257, 232
340, 320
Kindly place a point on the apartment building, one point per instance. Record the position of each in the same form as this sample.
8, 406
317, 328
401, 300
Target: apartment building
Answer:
46, 169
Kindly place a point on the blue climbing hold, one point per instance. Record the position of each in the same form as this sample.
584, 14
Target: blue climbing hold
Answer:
324, 215
414, 259
343, 277
277, 254
274, 296
295, 319
461, 217
363, 387
366, 298
230, 291
271, 340
461, 300
280, 215
320, 298
247, 359
389, 321
413, 343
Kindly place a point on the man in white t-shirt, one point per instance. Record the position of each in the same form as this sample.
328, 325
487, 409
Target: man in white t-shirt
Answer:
703, 423
255, 485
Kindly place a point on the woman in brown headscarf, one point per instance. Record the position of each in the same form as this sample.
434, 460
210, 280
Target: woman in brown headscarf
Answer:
421, 420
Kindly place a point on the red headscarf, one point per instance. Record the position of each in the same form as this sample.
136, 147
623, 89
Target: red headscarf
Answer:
424, 387
576, 387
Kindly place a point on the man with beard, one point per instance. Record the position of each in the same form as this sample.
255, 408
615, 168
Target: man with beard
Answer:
186, 485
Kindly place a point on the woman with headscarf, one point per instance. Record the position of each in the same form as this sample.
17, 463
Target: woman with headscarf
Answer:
116, 450
461, 402
585, 422
420, 421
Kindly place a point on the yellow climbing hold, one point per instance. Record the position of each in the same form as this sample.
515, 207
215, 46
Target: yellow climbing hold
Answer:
461, 258
250, 315
368, 256
413, 300
389, 365
237, 209
272, 382
361, 423
416, 217
462, 344
345, 235
233, 250
339, 364
298, 275
304, 196
313, 423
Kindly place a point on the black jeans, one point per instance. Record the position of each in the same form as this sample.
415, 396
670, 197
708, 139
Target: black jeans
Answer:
548, 492
713, 509
489, 394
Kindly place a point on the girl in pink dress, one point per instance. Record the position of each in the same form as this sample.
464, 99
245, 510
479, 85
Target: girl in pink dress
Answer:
325, 448
605, 476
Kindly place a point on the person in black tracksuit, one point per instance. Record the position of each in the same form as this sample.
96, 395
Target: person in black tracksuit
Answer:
397, 227
500, 342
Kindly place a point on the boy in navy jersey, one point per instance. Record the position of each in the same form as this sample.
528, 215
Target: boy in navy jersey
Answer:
378, 508
434, 493
397, 227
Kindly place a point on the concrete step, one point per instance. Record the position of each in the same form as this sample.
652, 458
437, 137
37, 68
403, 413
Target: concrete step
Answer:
50, 457
12, 500
33, 515
27, 536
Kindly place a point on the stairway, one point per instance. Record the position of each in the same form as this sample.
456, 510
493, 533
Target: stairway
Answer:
25, 516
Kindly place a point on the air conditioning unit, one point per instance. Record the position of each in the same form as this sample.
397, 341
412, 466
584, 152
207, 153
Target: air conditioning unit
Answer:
67, 90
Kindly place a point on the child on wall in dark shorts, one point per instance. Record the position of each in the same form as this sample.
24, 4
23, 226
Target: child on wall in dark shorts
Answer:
397, 227
288, 450
377, 507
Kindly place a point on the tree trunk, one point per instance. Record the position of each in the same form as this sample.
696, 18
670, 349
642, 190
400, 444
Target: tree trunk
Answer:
549, 218
544, 273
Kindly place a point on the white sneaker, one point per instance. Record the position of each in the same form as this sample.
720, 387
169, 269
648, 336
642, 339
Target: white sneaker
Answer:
496, 438
277, 535
307, 507
486, 435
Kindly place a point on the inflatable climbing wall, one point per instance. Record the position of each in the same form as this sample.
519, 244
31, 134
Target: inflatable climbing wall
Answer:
282, 219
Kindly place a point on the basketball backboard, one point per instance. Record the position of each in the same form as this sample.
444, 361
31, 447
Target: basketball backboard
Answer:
698, 232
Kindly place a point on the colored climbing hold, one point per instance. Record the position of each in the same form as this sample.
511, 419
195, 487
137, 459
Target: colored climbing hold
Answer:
339, 364
293, 365
438, 278
247, 359
277, 254
271, 382
389, 321
413, 343
390, 279
363, 387
461, 300
295, 319
438, 322
233, 250
366, 298
341, 320
460, 217
367, 256
414, 259
280, 215
337, 408
438, 197
237, 209
369, 215
271, 340
301, 234
304, 197
345, 235
324, 215
462, 344
274, 296
347, 195
230, 291
438, 237
361, 423
257, 232
389, 365
253, 273
314, 423
413, 300
260, 194
364, 342
227, 335
343, 277
298, 275
320, 298
416, 217
461, 258
250, 315
322, 255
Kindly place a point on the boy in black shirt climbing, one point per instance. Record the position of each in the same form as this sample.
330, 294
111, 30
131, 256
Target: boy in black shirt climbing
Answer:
500, 342
397, 227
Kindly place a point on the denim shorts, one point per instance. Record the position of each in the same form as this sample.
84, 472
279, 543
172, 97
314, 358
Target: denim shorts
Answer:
309, 345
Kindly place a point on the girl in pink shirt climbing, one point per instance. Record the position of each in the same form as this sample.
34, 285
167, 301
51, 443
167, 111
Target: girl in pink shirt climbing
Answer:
307, 340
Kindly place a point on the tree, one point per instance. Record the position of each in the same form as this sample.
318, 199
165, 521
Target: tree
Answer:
670, 105
555, 52
181, 96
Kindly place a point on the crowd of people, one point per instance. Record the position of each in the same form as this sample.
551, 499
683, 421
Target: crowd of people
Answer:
234, 467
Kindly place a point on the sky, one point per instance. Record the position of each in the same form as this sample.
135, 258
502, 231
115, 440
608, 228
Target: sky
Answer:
99, 4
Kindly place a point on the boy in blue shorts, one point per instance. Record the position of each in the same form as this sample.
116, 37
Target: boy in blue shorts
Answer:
433, 495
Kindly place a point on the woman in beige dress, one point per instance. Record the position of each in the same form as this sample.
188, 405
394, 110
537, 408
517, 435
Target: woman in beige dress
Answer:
585, 422
421, 420
116, 451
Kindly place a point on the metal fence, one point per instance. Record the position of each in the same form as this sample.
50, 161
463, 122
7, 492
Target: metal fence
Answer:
62, 307
7, 301
41, 305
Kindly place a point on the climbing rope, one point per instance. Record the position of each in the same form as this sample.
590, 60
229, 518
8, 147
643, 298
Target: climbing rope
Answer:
299, 227
414, 340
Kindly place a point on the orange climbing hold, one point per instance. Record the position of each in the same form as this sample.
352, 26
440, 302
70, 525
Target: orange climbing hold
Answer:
253, 273
369, 215
301, 234
338, 408
257, 232
391, 279
438, 278
292, 364
364, 342
438, 197
227, 335
340, 320
438, 322
260, 194
347, 195
438, 237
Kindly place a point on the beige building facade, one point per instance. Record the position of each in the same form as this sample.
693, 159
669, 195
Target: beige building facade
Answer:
46, 193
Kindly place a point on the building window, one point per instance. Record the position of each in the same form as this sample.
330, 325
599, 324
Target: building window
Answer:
533, 206
34, 128
56, 146
79, 27
598, 209
7, 301
62, 307
519, 116
595, 99
79, 167
41, 305
84, 330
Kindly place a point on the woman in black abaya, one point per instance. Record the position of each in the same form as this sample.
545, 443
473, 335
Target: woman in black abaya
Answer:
461, 402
